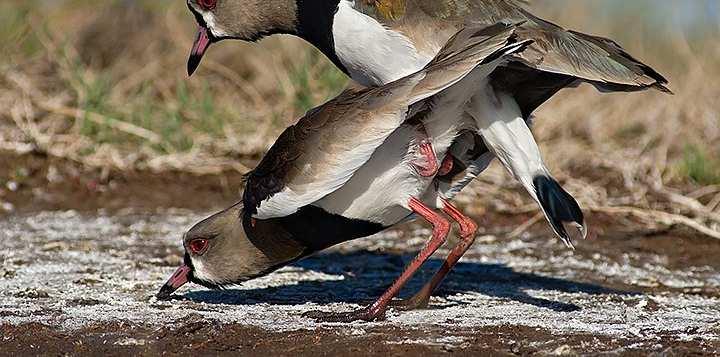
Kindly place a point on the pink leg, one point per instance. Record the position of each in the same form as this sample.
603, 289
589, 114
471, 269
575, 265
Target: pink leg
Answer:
446, 165
426, 165
467, 236
376, 311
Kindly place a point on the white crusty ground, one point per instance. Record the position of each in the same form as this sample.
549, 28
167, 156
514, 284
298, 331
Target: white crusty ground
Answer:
71, 270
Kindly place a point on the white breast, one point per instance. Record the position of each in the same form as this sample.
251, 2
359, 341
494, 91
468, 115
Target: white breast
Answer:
372, 54
380, 190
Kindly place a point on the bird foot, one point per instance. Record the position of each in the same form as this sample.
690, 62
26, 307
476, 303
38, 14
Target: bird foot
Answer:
413, 303
364, 314
426, 165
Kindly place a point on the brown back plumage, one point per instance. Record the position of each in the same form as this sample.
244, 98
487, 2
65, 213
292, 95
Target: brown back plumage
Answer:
557, 58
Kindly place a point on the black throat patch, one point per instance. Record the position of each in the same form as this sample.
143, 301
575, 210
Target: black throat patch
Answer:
317, 229
315, 24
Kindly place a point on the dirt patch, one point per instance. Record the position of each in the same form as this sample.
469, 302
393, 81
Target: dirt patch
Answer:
32, 183
83, 252
527, 295
192, 338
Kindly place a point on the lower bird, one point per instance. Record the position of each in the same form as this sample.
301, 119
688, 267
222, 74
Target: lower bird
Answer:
350, 168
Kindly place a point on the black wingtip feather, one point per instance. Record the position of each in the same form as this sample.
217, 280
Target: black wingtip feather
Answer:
662, 88
559, 206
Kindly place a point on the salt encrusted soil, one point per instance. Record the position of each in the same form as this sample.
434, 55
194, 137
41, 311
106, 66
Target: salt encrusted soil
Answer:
84, 282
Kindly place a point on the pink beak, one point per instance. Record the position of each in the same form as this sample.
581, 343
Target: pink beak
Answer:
202, 42
178, 279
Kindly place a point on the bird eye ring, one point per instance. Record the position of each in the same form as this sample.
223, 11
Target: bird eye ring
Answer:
198, 246
208, 4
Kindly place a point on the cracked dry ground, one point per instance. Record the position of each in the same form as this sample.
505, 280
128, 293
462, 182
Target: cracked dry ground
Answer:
84, 283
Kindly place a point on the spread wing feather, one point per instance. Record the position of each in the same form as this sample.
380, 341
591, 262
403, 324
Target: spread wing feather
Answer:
569, 54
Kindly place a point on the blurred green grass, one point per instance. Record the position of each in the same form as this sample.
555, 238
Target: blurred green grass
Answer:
123, 61
701, 166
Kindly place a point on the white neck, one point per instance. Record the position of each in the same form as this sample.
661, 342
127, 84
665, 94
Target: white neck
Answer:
372, 54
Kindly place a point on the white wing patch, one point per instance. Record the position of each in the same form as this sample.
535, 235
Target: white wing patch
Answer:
380, 189
334, 175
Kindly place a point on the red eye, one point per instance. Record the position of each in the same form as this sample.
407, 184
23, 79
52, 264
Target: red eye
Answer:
207, 4
198, 246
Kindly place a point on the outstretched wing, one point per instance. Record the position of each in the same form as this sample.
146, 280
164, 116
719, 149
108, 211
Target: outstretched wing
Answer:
555, 50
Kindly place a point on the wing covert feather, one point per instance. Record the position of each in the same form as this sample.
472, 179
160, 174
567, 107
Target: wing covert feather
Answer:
595, 59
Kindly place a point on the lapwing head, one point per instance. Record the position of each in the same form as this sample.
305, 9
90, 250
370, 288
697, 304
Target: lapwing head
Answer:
247, 20
218, 253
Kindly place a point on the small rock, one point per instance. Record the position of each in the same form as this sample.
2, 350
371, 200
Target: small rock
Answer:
31, 293
487, 239
55, 247
12, 186
7, 274
87, 281
514, 348
7, 206
172, 260
130, 342
53, 175
19, 262
85, 302
563, 350
648, 305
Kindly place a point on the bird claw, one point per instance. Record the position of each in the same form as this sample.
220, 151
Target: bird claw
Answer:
572, 227
413, 303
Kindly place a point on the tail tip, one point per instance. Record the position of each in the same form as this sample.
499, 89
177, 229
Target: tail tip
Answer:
663, 88
561, 209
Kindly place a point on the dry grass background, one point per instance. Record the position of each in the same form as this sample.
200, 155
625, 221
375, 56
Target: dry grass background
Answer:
103, 83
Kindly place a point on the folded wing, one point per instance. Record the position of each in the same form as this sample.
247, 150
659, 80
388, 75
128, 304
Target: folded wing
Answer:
322, 151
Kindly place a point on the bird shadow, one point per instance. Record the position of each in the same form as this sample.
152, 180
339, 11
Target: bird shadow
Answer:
365, 275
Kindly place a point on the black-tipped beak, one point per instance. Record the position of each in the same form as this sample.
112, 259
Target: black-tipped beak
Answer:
202, 42
178, 279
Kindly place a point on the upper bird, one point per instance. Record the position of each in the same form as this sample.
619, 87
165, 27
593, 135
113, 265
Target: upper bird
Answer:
378, 41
